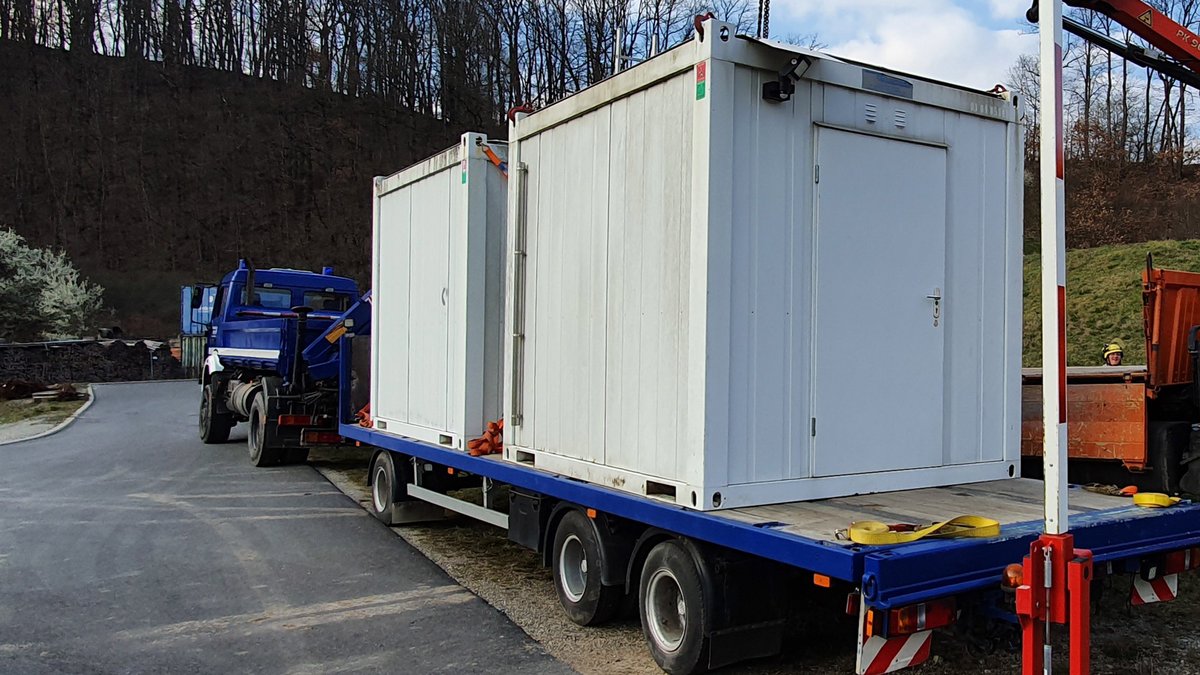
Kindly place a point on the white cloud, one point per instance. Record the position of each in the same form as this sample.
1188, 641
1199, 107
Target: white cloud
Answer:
934, 38
1008, 10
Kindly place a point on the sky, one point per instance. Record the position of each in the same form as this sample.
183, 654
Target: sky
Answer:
968, 42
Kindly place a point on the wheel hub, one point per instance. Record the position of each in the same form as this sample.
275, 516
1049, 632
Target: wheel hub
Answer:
666, 610
573, 568
381, 490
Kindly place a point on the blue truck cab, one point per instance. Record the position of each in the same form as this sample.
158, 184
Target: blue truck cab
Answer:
255, 369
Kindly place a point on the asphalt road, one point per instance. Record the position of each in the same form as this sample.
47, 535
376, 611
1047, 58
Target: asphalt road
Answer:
127, 546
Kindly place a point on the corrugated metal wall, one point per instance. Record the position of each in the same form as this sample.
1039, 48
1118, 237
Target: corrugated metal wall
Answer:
191, 354
608, 232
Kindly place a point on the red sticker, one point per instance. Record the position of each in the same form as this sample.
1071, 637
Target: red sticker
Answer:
701, 71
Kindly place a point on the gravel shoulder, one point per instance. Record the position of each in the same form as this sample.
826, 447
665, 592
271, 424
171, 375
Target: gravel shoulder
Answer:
1153, 639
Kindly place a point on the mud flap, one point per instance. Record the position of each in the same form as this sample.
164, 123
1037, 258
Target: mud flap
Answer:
1150, 591
877, 655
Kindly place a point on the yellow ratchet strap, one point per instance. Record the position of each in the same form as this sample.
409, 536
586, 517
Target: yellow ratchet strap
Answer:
873, 532
1154, 500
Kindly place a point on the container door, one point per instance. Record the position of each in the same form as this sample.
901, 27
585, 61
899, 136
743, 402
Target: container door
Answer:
434, 213
879, 307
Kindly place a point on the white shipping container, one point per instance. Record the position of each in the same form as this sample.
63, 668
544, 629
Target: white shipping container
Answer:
724, 299
438, 295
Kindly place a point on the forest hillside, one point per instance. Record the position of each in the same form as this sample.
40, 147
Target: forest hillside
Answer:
150, 175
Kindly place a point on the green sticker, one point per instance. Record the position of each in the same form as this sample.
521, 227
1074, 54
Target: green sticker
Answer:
700, 90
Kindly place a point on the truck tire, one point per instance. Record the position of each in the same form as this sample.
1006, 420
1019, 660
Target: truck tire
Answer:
214, 426
385, 487
1166, 444
576, 563
673, 609
256, 438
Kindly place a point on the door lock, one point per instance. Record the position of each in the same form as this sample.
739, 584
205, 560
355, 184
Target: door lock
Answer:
936, 297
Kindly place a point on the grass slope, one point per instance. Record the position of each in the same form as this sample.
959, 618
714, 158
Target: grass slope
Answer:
1104, 298
49, 412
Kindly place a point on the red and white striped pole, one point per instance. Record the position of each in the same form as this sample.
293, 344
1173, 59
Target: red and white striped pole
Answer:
1053, 550
1054, 276
1056, 577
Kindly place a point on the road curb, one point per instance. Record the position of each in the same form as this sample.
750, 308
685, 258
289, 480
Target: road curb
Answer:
61, 425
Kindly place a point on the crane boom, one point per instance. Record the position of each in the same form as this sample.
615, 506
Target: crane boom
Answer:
1179, 47
1134, 53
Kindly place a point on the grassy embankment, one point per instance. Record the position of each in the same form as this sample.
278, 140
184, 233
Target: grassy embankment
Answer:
1104, 298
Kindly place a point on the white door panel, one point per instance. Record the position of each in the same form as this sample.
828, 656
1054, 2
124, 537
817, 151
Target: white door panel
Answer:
880, 254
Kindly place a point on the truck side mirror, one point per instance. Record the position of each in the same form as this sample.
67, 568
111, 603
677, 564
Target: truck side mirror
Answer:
197, 296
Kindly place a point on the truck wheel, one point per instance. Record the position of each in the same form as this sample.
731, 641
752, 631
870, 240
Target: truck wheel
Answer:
214, 426
675, 618
1166, 444
385, 487
256, 439
577, 572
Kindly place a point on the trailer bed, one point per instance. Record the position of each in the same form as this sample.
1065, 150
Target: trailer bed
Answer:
803, 534
1012, 501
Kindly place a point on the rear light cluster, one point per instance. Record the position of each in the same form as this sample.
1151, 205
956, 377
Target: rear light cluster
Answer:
911, 619
295, 420
320, 437
1181, 561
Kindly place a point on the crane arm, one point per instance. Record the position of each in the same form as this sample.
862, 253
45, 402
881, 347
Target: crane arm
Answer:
1181, 45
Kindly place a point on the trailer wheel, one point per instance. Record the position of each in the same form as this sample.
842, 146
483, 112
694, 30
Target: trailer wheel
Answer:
256, 439
385, 487
674, 612
577, 564
214, 426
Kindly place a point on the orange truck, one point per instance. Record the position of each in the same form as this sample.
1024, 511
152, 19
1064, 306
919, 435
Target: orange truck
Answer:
1133, 424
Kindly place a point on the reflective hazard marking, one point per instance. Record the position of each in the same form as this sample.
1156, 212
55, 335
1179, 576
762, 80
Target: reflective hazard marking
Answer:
1149, 592
886, 655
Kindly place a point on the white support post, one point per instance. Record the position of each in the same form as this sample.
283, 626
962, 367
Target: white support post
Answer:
1054, 351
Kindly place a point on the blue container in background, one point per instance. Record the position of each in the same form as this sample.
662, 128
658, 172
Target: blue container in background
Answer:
195, 321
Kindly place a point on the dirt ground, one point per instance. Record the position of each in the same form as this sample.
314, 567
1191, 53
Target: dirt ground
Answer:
1152, 640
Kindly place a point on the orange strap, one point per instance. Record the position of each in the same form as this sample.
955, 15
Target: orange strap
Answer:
364, 417
491, 442
495, 159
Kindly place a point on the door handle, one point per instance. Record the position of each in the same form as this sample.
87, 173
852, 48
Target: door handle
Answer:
936, 297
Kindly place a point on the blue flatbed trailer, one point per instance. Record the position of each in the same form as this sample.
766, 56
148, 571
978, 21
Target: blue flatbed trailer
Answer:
898, 592
881, 582
892, 576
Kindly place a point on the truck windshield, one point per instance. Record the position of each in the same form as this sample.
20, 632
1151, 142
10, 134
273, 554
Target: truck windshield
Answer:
326, 301
271, 298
